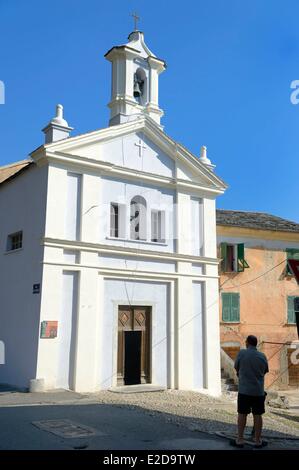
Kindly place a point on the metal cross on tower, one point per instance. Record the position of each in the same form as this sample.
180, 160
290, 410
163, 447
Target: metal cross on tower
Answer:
136, 19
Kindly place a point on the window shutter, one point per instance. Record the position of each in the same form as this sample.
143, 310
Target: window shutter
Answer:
155, 226
291, 310
223, 251
291, 254
226, 304
235, 307
240, 257
162, 232
114, 222
242, 263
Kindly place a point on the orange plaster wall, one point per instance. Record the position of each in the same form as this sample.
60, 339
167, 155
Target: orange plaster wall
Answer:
263, 307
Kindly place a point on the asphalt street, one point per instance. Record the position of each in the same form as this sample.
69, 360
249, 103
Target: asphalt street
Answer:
109, 426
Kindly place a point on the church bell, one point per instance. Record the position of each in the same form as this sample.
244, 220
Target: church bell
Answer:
137, 89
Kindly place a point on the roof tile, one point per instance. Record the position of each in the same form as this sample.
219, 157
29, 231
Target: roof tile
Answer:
255, 220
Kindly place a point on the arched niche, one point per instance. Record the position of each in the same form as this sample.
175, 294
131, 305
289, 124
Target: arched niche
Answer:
138, 222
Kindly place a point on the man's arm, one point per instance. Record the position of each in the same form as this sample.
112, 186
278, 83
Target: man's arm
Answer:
237, 364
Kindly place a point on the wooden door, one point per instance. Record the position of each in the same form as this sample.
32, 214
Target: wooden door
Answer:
133, 319
293, 370
231, 351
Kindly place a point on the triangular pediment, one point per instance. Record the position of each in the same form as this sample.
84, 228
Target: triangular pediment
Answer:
142, 146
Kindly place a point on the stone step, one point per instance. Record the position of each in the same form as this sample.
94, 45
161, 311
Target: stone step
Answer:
228, 385
140, 388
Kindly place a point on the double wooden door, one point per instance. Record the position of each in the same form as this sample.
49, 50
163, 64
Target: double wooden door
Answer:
133, 359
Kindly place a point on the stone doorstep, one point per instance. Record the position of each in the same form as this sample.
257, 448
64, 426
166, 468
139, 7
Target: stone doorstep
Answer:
142, 388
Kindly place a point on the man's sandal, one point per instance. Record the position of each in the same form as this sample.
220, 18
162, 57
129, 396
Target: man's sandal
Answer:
234, 443
261, 445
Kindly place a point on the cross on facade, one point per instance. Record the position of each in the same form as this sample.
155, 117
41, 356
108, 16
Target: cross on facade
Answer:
136, 19
141, 147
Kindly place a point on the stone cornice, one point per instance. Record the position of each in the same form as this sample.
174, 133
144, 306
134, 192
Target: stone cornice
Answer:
127, 251
109, 169
67, 149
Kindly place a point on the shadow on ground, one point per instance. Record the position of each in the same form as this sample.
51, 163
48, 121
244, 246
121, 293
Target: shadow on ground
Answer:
5, 388
287, 416
117, 426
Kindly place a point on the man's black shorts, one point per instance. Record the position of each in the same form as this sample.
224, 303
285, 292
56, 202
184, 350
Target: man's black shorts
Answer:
251, 404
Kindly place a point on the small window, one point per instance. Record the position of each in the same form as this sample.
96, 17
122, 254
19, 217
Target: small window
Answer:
233, 258
291, 254
15, 241
117, 220
157, 226
230, 307
293, 308
114, 220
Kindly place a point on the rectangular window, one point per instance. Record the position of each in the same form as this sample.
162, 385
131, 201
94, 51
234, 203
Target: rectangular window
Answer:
15, 241
118, 220
230, 307
292, 253
114, 220
293, 307
157, 226
233, 258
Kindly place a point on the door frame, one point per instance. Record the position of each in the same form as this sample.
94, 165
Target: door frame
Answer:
140, 303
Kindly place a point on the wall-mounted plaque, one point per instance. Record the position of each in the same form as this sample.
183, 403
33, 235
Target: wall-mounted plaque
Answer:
49, 329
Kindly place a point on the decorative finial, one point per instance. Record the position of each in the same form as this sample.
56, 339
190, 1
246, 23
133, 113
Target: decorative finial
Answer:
203, 157
58, 128
59, 111
59, 116
136, 19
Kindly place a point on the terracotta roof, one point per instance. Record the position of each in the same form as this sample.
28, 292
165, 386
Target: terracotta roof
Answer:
8, 171
255, 220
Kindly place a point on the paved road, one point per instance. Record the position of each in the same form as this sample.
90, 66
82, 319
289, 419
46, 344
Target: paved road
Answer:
118, 428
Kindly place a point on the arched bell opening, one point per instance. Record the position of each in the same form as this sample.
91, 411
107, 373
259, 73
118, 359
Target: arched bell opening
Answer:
140, 86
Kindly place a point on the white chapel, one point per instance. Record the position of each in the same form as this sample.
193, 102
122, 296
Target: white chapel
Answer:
108, 271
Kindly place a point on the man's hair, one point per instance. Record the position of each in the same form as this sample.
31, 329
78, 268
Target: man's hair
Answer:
252, 340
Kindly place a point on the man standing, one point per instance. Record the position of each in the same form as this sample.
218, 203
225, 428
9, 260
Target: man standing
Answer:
251, 366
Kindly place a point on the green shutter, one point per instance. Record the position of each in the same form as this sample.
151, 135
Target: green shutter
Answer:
291, 309
223, 249
235, 307
226, 304
292, 253
230, 307
242, 263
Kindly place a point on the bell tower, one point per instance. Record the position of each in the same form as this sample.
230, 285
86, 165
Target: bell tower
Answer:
135, 81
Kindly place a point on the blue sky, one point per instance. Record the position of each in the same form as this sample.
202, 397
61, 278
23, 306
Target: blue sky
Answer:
227, 85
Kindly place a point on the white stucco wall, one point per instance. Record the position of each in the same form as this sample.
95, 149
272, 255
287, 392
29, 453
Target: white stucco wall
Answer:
123, 151
123, 192
84, 278
22, 207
